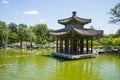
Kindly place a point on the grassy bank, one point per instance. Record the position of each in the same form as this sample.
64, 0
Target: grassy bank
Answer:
13, 51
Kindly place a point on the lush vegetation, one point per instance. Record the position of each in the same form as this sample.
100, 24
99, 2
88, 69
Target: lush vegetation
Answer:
109, 42
13, 33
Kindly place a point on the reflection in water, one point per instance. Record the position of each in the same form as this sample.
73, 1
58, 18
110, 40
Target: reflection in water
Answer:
77, 70
45, 67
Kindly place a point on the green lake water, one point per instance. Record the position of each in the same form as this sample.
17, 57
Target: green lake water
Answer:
42, 66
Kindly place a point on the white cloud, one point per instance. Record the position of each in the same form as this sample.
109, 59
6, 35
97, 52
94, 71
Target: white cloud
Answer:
5, 1
31, 12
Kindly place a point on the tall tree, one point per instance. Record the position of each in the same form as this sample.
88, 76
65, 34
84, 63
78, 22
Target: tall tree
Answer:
4, 33
117, 34
13, 27
31, 35
13, 33
115, 12
22, 33
40, 31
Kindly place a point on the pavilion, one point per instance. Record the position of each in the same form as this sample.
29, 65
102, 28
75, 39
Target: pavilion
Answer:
74, 41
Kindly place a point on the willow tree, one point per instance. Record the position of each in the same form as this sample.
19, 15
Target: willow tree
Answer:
4, 33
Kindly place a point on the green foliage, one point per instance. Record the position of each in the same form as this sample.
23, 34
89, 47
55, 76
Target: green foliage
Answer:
40, 31
12, 27
117, 33
110, 42
115, 12
13, 33
51, 38
22, 33
13, 37
4, 33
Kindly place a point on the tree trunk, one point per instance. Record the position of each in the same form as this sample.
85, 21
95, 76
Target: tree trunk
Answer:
21, 43
30, 44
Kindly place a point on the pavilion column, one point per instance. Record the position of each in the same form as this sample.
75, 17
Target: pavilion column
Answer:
71, 44
81, 45
63, 49
78, 46
61, 45
57, 44
66, 45
75, 46
91, 44
87, 48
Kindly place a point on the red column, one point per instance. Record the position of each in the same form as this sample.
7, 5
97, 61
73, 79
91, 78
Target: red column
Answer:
91, 44
81, 45
66, 45
72, 46
57, 44
61, 45
78, 46
87, 48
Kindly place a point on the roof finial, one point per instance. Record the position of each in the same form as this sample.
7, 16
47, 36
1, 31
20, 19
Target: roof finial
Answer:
74, 13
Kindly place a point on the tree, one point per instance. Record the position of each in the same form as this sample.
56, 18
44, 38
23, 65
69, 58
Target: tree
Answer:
13, 27
115, 12
31, 35
116, 43
22, 25
41, 31
4, 33
106, 43
13, 37
22, 33
51, 38
117, 33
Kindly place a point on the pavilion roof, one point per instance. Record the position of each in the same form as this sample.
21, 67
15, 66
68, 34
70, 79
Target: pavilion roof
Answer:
84, 32
74, 18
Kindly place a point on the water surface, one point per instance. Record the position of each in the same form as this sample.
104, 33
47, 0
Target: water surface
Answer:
25, 66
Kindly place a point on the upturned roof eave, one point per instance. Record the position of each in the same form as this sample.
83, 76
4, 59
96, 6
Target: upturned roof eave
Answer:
83, 32
78, 19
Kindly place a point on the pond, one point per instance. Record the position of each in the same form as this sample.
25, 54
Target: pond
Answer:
21, 65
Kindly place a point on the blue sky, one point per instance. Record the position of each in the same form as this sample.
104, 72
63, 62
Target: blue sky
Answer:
33, 12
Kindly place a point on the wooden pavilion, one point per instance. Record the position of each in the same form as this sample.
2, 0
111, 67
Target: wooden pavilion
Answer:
74, 41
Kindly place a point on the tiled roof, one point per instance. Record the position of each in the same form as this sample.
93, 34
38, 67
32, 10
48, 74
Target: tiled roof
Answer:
74, 18
84, 32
